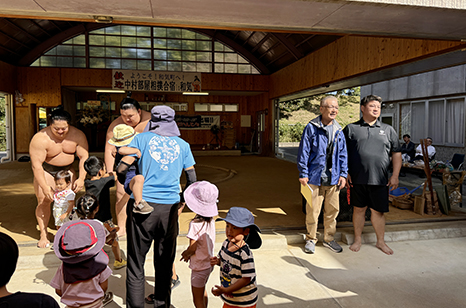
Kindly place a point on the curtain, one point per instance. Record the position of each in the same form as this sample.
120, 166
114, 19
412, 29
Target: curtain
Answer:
436, 120
454, 130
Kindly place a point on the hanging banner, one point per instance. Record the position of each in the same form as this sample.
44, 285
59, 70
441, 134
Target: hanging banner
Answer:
153, 81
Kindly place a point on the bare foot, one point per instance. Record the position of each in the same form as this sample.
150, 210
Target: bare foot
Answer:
43, 242
385, 249
355, 246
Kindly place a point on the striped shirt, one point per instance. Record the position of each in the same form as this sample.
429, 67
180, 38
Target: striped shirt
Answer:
234, 266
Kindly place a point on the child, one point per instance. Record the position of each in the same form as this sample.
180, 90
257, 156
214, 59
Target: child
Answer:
63, 198
82, 278
201, 198
130, 179
99, 186
237, 273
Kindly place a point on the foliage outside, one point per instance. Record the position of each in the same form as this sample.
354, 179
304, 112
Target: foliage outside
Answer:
295, 114
2, 123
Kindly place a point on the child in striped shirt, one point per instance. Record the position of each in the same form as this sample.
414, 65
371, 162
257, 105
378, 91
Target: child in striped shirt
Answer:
237, 272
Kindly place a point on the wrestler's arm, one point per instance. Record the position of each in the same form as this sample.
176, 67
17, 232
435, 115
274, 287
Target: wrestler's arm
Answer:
82, 151
129, 151
108, 156
38, 154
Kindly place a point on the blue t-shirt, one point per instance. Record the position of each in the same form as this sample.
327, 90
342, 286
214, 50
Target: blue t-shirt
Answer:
162, 161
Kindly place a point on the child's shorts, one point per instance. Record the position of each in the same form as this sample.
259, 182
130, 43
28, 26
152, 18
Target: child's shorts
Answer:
129, 176
225, 305
199, 278
111, 226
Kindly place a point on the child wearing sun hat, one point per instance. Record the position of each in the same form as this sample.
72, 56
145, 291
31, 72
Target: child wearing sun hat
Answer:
237, 272
82, 278
201, 198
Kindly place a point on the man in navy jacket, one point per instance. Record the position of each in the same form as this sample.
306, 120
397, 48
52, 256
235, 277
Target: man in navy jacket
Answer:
322, 164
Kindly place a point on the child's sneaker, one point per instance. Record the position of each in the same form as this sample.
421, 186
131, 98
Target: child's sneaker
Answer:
108, 298
117, 264
143, 208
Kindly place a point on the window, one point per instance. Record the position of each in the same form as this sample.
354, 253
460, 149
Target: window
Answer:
146, 48
441, 119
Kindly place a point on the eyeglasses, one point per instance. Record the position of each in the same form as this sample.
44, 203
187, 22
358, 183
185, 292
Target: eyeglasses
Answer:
331, 107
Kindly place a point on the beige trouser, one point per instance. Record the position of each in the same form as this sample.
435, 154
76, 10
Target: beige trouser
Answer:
330, 196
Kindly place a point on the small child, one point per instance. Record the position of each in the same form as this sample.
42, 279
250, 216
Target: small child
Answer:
63, 198
237, 272
99, 186
201, 198
129, 178
82, 278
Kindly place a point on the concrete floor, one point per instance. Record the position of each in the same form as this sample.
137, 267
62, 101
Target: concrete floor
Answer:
424, 273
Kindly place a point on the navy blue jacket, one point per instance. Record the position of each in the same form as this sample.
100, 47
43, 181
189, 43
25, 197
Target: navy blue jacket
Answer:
313, 152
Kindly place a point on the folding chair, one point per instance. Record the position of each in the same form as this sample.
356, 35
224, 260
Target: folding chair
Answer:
458, 161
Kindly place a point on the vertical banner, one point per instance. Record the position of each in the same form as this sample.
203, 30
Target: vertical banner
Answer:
153, 81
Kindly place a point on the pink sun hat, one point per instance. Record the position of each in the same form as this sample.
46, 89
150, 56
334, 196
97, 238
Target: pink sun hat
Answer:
201, 198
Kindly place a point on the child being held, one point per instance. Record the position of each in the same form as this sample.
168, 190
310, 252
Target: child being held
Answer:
63, 198
237, 272
82, 278
201, 198
129, 176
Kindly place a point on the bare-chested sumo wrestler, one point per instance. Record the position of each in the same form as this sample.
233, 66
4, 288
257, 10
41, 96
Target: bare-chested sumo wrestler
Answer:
132, 115
53, 149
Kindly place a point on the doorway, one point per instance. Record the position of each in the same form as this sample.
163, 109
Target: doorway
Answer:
6, 128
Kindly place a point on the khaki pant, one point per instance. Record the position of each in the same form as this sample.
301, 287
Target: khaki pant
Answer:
330, 197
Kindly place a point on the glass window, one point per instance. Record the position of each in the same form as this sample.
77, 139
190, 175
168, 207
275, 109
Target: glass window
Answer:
143, 31
189, 66
79, 62
113, 52
128, 30
244, 69
204, 56
97, 51
160, 43
128, 41
174, 44
96, 63
189, 56
231, 108
418, 120
219, 68
231, 68
173, 33
36, 63
144, 65
204, 67
206, 46
115, 30
64, 50
128, 64
52, 52
436, 120
187, 34
219, 57
49, 61
160, 54
98, 31
160, 65
189, 45
112, 63
64, 61
143, 53
231, 57
129, 53
113, 41
201, 107
96, 40
79, 51
174, 55
454, 130
174, 66
144, 42
202, 37
216, 107
219, 46
160, 32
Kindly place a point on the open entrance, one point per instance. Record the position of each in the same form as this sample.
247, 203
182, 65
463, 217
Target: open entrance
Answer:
6, 128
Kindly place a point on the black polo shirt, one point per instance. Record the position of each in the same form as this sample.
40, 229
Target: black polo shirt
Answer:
369, 151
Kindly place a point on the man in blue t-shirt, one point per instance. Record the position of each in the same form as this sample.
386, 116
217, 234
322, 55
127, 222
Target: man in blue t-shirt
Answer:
164, 155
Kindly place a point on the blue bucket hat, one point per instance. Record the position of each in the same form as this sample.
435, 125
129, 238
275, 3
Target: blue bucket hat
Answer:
243, 218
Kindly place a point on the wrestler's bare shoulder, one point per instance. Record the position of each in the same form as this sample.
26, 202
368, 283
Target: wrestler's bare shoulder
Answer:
145, 117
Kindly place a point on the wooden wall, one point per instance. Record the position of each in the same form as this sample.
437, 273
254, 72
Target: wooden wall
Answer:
8, 75
351, 56
42, 87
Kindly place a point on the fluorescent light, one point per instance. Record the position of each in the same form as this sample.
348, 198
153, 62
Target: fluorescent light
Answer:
195, 93
110, 91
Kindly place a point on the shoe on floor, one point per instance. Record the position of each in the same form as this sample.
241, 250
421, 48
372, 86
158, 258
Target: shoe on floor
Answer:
310, 247
108, 297
333, 246
150, 298
143, 208
117, 264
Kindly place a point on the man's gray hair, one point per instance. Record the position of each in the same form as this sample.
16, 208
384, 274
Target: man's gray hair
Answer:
326, 98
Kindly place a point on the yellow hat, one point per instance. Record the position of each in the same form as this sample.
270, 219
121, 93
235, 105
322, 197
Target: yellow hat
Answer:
122, 135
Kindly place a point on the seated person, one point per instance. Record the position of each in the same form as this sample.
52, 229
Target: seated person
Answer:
430, 150
407, 149
8, 259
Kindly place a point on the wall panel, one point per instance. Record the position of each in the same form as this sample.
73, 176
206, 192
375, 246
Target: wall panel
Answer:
8, 78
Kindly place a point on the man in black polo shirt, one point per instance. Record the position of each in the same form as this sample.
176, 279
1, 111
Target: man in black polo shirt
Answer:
370, 144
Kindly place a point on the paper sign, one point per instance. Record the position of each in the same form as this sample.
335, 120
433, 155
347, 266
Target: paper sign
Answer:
306, 191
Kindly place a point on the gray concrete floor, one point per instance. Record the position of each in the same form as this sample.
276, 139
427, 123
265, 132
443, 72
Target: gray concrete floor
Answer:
424, 273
